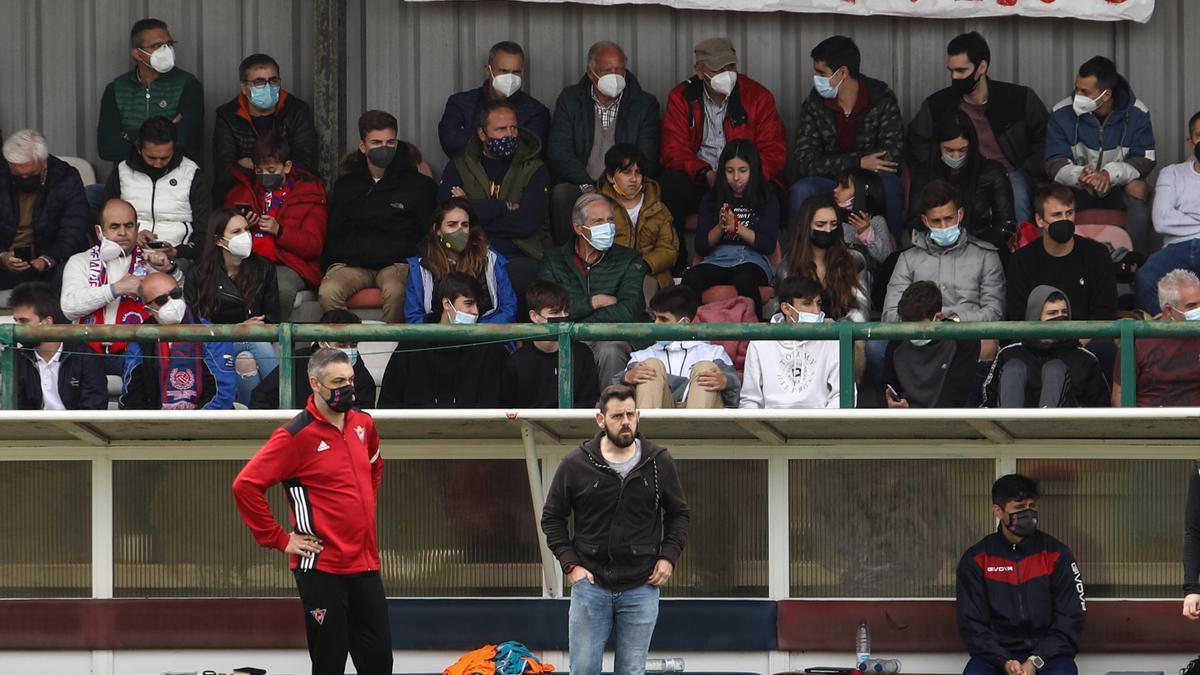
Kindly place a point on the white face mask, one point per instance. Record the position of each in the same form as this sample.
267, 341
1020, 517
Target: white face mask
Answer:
240, 245
163, 59
506, 84
1083, 105
611, 85
171, 312
724, 82
110, 250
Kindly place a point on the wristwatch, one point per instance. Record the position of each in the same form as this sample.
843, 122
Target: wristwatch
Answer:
1037, 661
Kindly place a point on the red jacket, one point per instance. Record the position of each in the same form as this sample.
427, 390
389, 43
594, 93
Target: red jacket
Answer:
751, 114
303, 218
332, 481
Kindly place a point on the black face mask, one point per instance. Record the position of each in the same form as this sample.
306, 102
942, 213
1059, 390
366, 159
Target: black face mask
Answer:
341, 399
270, 181
822, 239
1061, 231
966, 85
155, 173
558, 319
28, 183
1023, 523
381, 156
29, 345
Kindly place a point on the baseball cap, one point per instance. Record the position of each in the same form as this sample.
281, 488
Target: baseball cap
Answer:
715, 53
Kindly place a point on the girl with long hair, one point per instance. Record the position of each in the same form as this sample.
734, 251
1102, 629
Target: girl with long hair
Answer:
818, 251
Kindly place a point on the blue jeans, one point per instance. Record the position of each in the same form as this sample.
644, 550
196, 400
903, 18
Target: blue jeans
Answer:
893, 190
1059, 665
268, 360
595, 611
1183, 255
1022, 189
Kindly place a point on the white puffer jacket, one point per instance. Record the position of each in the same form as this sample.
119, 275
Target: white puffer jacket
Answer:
163, 206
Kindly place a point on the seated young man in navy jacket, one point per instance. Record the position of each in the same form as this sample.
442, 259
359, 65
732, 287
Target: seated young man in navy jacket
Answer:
1020, 592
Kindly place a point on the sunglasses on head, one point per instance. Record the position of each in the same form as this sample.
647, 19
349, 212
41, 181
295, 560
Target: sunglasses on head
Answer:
175, 294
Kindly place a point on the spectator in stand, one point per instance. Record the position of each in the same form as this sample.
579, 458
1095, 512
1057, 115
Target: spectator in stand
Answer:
234, 285
53, 375
43, 212
152, 88
100, 284
1177, 219
967, 270
643, 221
738, 227
713, 107
818, 252
605, 108
441, 375
861, 206
453, 244
288, 215
266, 394
175, 375
604, 280
166, 189
793, 373
928, 373
505, 69
1008, 119
530, 378
500, 172
1011, 619
848, 120
1168, 374
1048, 372
1081, 267
263, 108
381, 206
1101, 145
984, 188
681, 373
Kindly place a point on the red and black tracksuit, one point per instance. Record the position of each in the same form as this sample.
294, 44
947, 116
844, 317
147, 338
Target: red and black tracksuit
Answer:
1019, 600
332, 481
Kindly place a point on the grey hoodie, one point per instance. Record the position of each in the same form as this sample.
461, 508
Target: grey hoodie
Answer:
1037, 300
969, 274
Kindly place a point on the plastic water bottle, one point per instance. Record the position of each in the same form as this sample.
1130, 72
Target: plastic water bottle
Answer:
862, 643
880, 666
672, 665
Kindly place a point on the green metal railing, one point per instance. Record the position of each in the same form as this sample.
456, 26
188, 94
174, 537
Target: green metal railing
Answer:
288, 335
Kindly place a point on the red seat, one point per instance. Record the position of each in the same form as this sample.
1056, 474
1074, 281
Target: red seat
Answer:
1115, 236
725, 292
1100, 217
367, 298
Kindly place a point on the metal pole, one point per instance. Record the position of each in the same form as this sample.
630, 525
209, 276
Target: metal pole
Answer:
329, 91
8, 363
287, 367
566, 366
549, 565
1128, 363
846, 363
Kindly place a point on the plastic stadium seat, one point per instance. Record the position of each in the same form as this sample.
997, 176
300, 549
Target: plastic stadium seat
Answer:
725, 292
367, 298
86, 172
1113, 235
1100, 217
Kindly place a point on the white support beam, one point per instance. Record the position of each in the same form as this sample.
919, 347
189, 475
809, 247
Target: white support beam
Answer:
763, 431
779, 553
85, 432
537, 495
992, 431
102, 528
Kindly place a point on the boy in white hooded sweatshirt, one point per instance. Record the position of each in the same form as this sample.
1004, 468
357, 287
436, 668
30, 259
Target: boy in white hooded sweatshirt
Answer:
793, 373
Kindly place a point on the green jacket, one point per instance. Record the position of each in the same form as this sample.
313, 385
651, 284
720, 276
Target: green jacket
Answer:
127, 103
526, 162
573, 129
619, 273
880, 128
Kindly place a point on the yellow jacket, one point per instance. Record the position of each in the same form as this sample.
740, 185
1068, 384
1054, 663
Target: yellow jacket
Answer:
656, 240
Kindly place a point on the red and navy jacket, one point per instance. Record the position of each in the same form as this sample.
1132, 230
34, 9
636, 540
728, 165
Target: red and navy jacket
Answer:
332, 481
1018, 600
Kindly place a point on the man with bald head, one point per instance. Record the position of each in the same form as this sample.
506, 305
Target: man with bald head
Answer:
607, 106
175, 375
100, 285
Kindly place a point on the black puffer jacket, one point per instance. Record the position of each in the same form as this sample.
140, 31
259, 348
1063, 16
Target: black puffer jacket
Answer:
985, 196
60, 212
234, 135
374, 225
621, 527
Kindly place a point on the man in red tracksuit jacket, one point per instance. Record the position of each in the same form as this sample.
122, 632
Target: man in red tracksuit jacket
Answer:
1021, 601
329, 461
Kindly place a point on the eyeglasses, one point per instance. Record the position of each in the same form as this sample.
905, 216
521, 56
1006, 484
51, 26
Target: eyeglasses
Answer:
261, 82
175, 294
150, 49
